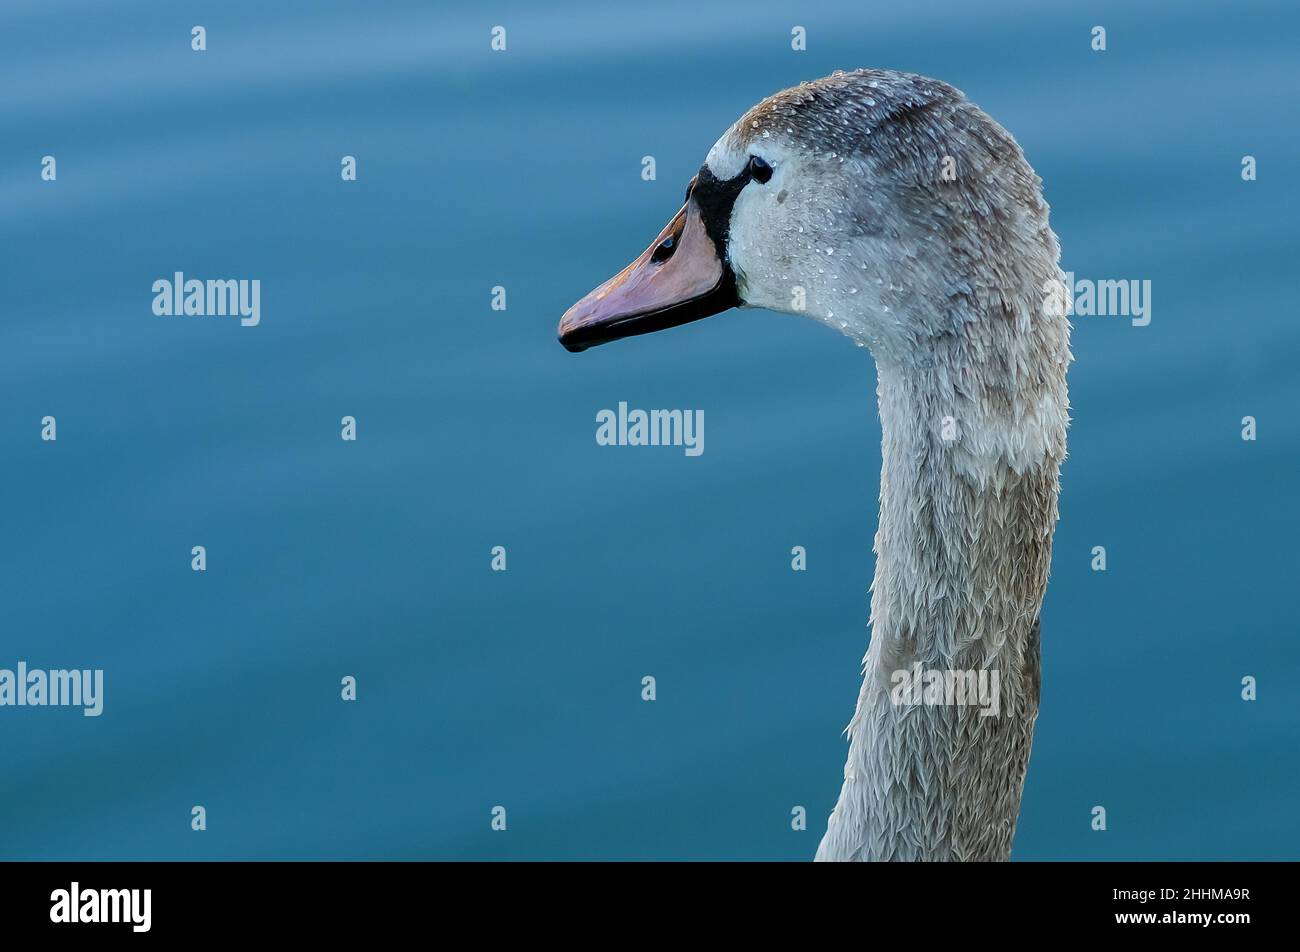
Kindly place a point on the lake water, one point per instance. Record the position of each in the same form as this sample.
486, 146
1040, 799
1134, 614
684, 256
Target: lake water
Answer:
371, 558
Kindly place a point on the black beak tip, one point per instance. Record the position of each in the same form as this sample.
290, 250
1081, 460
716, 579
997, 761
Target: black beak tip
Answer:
572, 342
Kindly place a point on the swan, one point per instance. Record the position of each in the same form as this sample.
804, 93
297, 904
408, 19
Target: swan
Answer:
890, 208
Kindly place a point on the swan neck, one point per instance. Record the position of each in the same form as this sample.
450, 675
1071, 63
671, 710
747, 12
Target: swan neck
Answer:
967, 506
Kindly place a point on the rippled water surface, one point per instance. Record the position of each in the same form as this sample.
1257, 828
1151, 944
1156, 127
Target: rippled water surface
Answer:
475, 429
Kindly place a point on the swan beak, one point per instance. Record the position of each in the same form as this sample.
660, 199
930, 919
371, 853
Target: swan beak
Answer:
680, 278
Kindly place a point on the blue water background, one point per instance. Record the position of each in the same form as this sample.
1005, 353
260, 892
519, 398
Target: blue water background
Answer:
328, 558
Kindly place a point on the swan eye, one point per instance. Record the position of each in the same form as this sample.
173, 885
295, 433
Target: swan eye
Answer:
759, 170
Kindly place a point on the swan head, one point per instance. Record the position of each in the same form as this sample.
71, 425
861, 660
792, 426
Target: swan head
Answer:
882, 204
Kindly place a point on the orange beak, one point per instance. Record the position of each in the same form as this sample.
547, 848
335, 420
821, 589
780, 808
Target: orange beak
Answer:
680, 278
